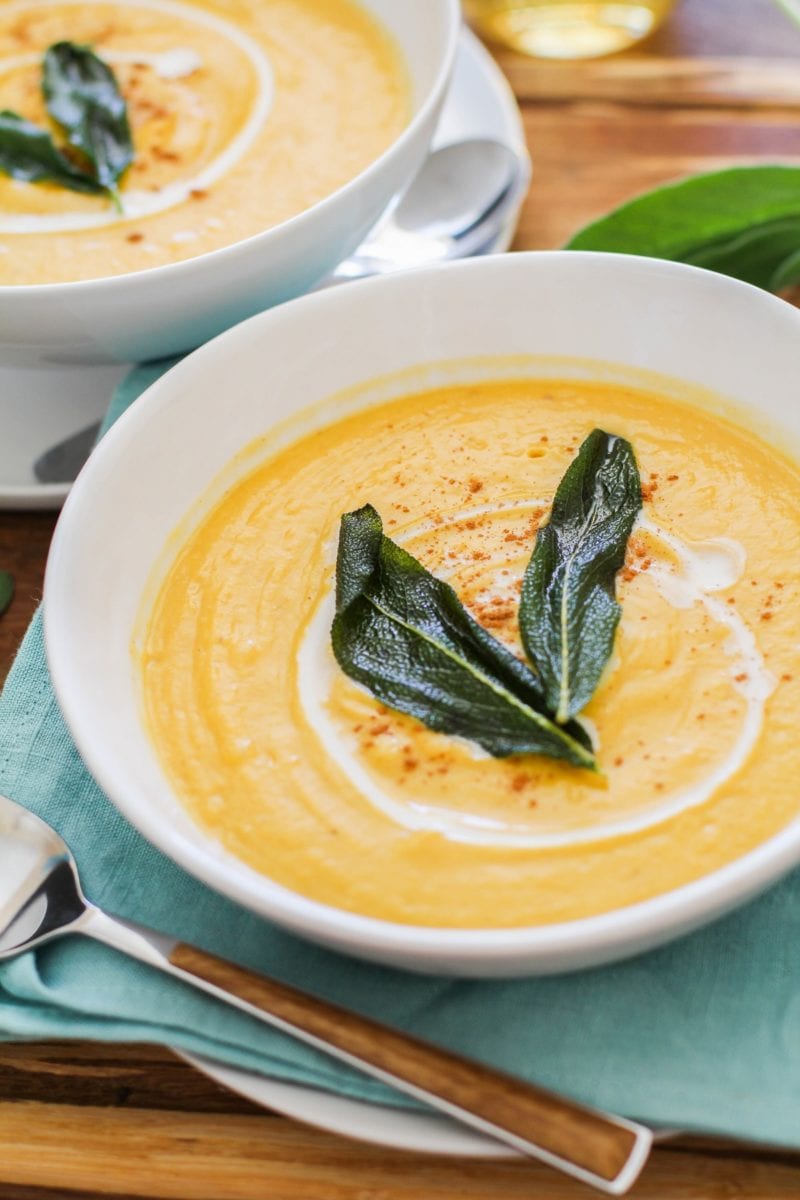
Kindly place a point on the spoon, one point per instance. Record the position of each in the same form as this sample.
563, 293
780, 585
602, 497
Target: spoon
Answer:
455, 207
61, 462
41, 898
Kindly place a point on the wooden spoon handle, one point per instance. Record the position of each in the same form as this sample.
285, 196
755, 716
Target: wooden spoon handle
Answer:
605, 1151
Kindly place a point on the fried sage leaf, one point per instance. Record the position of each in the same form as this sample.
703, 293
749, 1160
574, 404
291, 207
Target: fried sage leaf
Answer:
28, 153
569, 612
83, 97
405, 636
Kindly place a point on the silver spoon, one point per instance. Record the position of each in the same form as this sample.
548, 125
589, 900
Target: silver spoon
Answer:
41, 898
61, 462
456, 206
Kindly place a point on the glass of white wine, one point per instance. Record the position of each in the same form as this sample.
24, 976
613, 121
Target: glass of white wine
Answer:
567, 28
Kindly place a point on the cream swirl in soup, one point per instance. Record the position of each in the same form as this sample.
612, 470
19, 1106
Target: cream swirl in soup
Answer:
243, 114
305, 776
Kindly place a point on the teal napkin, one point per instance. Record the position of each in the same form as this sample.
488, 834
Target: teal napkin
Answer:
703, 1034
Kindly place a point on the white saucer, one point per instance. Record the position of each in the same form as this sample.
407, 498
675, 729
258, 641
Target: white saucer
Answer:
395, 1128
479, 104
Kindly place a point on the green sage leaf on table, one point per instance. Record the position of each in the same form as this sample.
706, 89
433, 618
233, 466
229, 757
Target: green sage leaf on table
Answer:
404, 635
28, 153
6, 590
743, 222
569, 612
83, 97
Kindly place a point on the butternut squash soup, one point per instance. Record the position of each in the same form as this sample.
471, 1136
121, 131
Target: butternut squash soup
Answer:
300, 771
243, 113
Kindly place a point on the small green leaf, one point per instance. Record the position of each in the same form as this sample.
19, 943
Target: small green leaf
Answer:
27, 152
743, 222
83, 97
405, 636
6, 590
569, 612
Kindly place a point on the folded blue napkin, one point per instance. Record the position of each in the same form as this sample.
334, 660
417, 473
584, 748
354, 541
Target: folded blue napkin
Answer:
702, 1035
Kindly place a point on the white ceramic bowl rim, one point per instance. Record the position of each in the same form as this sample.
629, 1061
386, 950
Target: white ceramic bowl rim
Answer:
655, 920
243, 246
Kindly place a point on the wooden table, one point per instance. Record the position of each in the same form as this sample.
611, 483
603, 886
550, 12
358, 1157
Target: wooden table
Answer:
719, 85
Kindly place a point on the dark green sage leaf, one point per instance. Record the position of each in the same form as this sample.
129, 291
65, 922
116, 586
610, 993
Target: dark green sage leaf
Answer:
6, 590
405, 636
743, 222
569, 612
83, 97
28, 153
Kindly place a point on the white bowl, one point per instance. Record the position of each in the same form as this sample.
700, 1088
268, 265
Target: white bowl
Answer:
427, 326
168, 309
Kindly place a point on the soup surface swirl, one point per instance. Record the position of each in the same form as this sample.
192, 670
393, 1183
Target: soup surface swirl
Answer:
243, 114
303, 775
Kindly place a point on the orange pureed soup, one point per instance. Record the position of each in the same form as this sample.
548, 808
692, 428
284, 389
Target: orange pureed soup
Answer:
243, 113
302, 774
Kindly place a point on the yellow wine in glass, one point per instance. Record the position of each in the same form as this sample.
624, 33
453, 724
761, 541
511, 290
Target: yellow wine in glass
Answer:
567, 28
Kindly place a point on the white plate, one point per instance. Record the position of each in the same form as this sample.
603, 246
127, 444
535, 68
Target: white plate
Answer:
479, 104
394, 1128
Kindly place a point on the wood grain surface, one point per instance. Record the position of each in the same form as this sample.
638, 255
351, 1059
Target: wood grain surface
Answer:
718, 85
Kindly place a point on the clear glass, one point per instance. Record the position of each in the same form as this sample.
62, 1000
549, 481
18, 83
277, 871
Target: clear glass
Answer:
565, 28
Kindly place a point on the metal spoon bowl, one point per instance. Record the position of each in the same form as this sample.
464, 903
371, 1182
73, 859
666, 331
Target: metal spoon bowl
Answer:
456, 206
